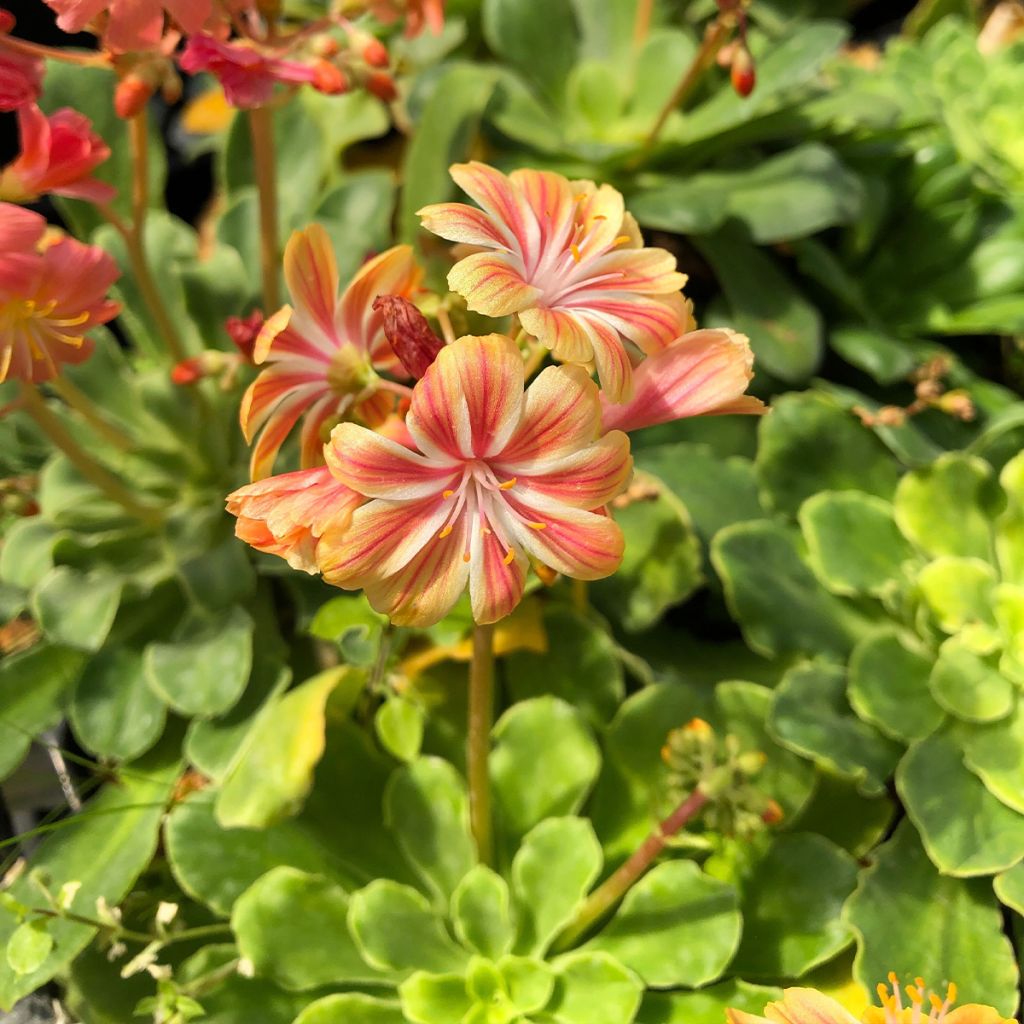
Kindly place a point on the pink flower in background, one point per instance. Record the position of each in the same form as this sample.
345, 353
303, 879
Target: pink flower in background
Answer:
323, 356
702, 373
499, 476
21, 79
50, 296
285, 515
130, 24
567, 258
58, 155
247, 75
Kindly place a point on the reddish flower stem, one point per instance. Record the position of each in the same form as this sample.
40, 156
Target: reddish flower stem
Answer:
478, 739
261, 128
606, 895
89, 60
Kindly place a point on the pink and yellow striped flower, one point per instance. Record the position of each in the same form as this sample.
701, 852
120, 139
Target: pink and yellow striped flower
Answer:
569, 260
324, 356
499, 477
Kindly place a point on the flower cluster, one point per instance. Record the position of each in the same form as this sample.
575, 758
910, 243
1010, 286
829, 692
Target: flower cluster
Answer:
473, 475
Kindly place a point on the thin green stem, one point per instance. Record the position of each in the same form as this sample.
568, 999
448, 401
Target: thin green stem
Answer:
608, 894
261, 128
580, 596
185, 935
87, 409
99, 476
478, 743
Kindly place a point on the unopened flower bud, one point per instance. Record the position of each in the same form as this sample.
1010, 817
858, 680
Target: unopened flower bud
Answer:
326, 46
891, 416
329, 78
772, 814
742, 72
957, 403
244, 330
698, 726
131, 95
408, 332
928, 390
195, 368
7, 21
375, 53
382, 85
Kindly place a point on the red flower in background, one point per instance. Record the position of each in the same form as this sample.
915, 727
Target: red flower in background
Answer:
21, 79
131, 24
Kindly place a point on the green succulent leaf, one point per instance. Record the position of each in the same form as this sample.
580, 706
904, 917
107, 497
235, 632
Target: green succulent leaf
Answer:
903, 903
435, 998
1009, 887
969, 685
958, 591
292, 926
353, 625
964, 828
676, 926
791, 906
529, 982
707, 1006
481, 912
27, 554
77, 609
399, 726
594, 988
889, 686
555, 866
427, 808
29, 946
352, 1008
1009, 528
853, 543
840, 812
543, 764
396, 930
811, 716
995, 753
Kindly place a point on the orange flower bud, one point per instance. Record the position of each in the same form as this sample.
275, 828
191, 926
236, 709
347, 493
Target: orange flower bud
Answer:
375, 53
382, 85
328, 78
772, 813
742, 72
188, 371
131, 95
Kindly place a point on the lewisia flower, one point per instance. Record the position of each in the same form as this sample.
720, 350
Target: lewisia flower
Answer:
323, 355
130, 24
58, 155
567, 258
499, 476
246, 74
50, 296
806, 1006
21, 79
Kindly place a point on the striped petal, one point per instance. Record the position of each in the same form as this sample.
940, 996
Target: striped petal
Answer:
649, 271
704, 373
502, 200
561, 413
382, 539
311, 273
466, 224
552, 201
611, 360
600, 212
561, 331
581, 544
650, 322
381, 468
312, 438
393, 272
497, 576
427, 588
492, 283
277, 429
470, 400
286, 515
807, 1006
585, 479
277, 341
269, 389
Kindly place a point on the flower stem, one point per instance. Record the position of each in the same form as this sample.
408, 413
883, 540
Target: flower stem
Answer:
261, 128
478, 742
29, 49
714, 39
606, 895
580, 597
86, 408
32, 402
642, 22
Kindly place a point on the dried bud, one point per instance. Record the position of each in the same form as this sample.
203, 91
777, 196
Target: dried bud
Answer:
742, 72
928, 390
958, 403
329, 78
6, 21
406, 328
891, 416
382, 85
131, 95
244, 330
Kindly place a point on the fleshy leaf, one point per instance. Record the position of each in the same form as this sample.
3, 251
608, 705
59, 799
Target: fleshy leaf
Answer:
292, 927
958, 591
902, 904
791, 904
482, 912
969, 685
594, 988
1010, 524
77, 609
995, 753
399, 726
435, 998
964, 828
352, 1008
553, 870
707, 1006
676, 926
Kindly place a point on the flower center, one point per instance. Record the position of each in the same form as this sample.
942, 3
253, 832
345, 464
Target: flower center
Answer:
31, 322
894, 1012
349, 372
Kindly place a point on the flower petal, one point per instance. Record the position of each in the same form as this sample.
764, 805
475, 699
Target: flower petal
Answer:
704, 373
459, 222
470, 400
614, 369
311, 273
583, 545
588, 478
561, 331
492, 283
502, 200
285, 515
497, 576
600, 211
975, 1013
553, 203
382, 538
807, 1006
561, 413
278, 426
268, 389
649, 271
381, 468
650, 322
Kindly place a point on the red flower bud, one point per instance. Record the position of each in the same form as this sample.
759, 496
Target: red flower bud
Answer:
406, 328
244, 331
328, 78
6, 21
188, 371
742, 72
382, 85
131, 95
375, 53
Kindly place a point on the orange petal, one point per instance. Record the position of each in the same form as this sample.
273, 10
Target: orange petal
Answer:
466, 224
807, 1006
496, 579
553, 203
614, 369
561, 331
587, 479
976, 1013
650, 322
311, 273
492, 283
649, 271
500, 197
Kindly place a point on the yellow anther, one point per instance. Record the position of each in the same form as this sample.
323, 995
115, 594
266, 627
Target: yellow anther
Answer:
893, 980
507, 484
537, 526
599, 216
509, 557
579, 197
485, 531
445, 532
915, 994
447, 494
883, 994
575, 250
935, 1001
465, 556
621, 240
951, 992
919, 982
